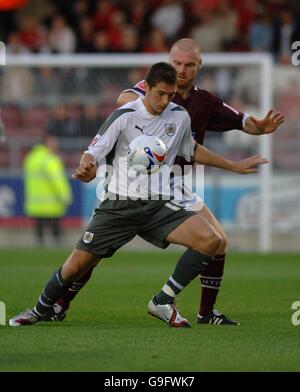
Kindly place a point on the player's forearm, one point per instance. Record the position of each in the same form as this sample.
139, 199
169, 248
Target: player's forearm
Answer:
206, 157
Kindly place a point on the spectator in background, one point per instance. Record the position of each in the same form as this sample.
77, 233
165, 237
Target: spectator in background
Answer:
46, 79
15, 45
138, 14
261, 32
246, 14
286, 31
85, 36
102, 18
115, 30
31, 32
134, 75
208, 33
155, 42
61, 38
44, 44
198, 7
129, 39
17, 84
169, 18
79, 10
100, 42
58, 121
2, 130
227, 21
47, 192
64, 123
91, 120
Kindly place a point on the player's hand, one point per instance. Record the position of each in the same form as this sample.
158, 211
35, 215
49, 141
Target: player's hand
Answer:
86, 171
269, 123
249, 165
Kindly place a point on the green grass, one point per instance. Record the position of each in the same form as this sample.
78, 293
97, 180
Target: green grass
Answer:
108, 328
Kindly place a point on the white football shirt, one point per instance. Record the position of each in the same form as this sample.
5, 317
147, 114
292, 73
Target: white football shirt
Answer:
173, 127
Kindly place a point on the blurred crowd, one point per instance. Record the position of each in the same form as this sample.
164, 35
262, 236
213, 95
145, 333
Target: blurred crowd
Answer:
105, 26
72, 102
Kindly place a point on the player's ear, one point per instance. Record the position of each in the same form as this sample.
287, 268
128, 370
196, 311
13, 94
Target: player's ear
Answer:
200, 64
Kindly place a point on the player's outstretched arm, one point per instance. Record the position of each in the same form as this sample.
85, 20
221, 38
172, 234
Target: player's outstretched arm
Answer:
126, 97
245, 166
86, 171
267, 125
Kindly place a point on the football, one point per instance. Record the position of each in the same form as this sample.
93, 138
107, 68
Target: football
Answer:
146, 154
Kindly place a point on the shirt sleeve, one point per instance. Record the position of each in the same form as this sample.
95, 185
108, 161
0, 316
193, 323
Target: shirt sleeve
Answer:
187, 143
107, 137
138, 89
223, 117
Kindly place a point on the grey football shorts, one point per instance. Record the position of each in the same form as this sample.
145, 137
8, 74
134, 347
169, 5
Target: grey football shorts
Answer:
116, 222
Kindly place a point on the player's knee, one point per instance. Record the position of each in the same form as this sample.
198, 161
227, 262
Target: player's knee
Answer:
208, 243
213, 243
71, 271
223, 244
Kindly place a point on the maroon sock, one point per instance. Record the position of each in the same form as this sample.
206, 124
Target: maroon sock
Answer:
64, 301
211, 280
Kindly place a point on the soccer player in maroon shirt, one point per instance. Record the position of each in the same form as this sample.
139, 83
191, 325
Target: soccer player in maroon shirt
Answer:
208, 113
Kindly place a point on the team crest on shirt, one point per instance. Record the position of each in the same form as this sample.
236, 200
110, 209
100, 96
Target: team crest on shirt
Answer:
170, 129
88, 237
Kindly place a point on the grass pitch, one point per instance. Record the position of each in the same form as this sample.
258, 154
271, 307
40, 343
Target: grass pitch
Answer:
108, 328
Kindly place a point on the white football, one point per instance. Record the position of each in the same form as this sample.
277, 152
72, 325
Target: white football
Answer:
146, 153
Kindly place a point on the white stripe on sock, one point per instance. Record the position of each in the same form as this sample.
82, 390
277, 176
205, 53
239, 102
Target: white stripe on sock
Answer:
44, 303
37, 312
210, 287
210, 277
176, 284
57, 276
167, 289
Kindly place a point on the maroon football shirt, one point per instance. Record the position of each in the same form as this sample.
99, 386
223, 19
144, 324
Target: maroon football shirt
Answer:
207, 111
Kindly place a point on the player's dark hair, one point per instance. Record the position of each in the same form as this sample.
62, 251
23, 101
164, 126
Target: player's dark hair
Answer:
160, 72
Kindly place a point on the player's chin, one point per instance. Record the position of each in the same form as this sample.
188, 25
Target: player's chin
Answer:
182, 82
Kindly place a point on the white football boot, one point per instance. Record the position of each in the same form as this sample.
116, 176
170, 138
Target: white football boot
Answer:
169, 314
27, 317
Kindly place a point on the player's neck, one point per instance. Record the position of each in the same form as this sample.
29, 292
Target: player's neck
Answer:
149, 108
184, 92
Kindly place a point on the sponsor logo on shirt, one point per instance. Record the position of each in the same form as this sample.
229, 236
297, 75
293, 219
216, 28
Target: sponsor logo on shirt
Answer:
140, 129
